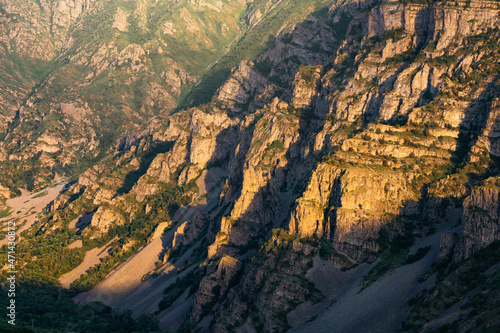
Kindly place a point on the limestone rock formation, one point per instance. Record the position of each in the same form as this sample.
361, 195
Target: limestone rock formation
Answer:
480, 219
364, 129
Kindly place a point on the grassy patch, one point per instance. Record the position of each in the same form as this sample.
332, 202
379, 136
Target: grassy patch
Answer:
454, 281
395, 257
40, 195
6, 212
389, 262
421, 252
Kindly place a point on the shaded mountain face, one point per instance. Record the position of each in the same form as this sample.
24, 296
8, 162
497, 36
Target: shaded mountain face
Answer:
367, 131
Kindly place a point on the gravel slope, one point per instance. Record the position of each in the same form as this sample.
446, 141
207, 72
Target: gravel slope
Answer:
27, 207
380, 308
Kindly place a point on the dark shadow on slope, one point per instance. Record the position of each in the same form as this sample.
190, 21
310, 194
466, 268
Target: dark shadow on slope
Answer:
425, 25
311, 121
255, 228
410, 219
43, 306
83, 222
396, 278
424, 32
252, 44
475, 118
253, 225
265, 193
132, 177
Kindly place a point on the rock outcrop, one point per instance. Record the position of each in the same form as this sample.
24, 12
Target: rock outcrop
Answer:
347, 137
480, 221
215, 284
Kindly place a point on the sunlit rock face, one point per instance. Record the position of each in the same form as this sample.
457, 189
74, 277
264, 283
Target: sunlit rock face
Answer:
356, 137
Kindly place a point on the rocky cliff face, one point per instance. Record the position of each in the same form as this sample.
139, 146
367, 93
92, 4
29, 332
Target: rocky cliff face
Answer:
79, 75
32, 35
401, 71
480, 220
347, 136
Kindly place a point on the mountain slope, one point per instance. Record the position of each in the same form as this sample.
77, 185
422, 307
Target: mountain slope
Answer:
107, 69
365, 133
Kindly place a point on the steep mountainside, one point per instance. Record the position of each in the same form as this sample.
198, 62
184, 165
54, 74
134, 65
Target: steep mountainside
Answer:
352, 164
81, 74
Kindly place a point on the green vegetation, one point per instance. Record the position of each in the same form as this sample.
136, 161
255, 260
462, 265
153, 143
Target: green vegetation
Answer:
341, 26
395, 254
6, 212
106, 93
421, 252
7, 328
44, 255
284, 269
308, 75
327, 252
162, 208
47, 252
407, 56
284, 236
51, 309
454, 281
40, 195
252, 43
47, 261
445, 60
28, 173
394, 34
175, 290
101, 83
276, 145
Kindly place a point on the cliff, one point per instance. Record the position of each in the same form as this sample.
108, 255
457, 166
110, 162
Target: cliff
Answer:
361, 131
